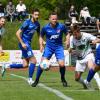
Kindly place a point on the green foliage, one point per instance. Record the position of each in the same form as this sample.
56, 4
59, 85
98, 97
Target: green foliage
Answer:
44, 13
60, 6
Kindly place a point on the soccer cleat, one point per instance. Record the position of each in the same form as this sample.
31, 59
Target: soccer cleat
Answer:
87, 84
30, 82
64, 82
84, 85
3, 69
35, 83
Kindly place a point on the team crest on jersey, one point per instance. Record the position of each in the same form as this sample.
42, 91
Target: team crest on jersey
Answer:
58, 31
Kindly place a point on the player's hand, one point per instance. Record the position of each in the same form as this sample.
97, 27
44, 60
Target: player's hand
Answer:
67, 44
41, 48
94, 42
24, 46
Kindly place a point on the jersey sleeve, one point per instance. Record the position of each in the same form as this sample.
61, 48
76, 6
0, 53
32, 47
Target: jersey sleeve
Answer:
71, 42
65, 29
2, 31
24, 25
42, 33
91, 37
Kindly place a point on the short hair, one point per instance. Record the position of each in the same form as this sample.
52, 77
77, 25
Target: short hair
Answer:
52, 13
2, 17
74, 27
35, 10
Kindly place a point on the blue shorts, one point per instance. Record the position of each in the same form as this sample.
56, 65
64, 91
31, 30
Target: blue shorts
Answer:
58, 51
26, 53
97, 56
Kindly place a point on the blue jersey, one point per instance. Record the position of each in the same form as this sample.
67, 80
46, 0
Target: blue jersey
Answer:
28, 29
54, 35
97, 55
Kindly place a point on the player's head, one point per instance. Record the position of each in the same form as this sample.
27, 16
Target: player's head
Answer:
20, 2
75, 31
35, 14
2, 21
53, 18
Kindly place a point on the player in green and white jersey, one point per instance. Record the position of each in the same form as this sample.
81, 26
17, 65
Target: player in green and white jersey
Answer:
80, 41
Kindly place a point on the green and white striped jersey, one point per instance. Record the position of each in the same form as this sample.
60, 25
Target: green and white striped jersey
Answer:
82, 46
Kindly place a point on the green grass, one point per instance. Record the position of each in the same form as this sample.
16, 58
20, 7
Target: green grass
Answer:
13, 88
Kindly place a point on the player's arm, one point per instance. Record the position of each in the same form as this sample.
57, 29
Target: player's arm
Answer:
93, 39
23, 27
97, 40
18, 34
41, 40
67, 40
1, 50
71, 46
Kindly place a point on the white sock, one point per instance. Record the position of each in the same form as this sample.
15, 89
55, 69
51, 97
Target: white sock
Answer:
97, 78
6, 66
30, 79
81, 80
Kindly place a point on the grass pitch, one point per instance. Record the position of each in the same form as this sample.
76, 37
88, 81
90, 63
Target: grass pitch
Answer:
15, 88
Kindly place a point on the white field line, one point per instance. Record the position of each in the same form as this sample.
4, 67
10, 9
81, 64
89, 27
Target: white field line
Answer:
56, 92
92, 90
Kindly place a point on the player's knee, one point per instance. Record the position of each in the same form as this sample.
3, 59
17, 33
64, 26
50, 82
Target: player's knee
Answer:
77, 77
61, 65
25, 65
33, 60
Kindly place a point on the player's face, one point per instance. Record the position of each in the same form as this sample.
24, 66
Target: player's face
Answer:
2, 22
76, 34
53, 20
35, 15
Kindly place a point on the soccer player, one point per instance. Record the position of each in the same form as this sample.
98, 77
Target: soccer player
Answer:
54, 34
92, 73
28, 28
2, 30
80, 41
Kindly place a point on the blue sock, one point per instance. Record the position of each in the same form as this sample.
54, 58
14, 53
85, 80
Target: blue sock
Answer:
31, 69
16, 66
39, 72
90, 75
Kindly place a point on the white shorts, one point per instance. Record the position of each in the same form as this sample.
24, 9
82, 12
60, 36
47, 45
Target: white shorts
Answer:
81, 64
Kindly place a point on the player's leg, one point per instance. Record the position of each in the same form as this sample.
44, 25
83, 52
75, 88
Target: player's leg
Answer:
62, 72
92, 72
32, 64
59, 53
46, 55
78, 78
17, 66
79, 69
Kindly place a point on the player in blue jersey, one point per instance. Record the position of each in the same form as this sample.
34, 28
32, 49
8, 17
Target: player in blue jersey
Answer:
28, 28
54, 34
2, 31
96, 69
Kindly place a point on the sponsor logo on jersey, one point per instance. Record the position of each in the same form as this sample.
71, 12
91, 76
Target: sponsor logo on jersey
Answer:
54, 36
